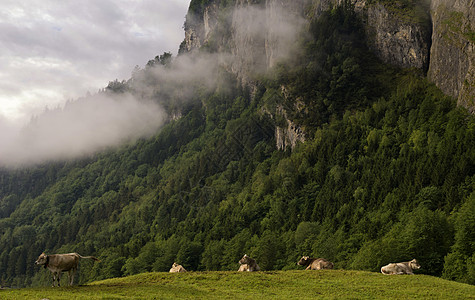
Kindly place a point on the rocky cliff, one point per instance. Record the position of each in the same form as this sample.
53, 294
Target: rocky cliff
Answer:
452, 64
249, 37
397, 39
253, 35
399, 34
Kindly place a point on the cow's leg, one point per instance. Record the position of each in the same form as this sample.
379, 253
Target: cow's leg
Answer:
69, 277
56, 278
72, 273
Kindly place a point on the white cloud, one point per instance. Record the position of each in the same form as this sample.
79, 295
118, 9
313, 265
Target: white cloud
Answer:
53, 51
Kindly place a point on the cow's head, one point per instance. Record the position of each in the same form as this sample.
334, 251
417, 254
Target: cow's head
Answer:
42, 260
245, 259
175, 265
305, 260
414, 264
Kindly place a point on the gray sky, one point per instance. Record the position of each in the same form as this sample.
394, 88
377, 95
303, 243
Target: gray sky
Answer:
52, 51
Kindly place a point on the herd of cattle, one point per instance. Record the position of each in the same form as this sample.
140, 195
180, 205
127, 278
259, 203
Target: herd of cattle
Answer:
58, 263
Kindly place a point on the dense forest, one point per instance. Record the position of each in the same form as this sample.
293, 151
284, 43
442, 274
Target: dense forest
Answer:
387, 173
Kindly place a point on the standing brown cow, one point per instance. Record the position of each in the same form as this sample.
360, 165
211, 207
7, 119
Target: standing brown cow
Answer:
315, 263
58, 263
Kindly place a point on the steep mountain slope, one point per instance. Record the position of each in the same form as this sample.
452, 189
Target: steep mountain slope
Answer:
277, 145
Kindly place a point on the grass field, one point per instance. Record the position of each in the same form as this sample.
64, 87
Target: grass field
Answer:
324, 284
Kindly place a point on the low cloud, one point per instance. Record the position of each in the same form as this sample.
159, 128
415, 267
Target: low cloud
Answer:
258, 38
178, 82
82, 127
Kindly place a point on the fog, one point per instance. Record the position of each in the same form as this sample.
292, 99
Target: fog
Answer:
259, 38
81, 128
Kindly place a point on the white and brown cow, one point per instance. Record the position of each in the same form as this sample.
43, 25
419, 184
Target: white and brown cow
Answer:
176, 268
243, 268
58, 263
315, 263
248, 264
401, 268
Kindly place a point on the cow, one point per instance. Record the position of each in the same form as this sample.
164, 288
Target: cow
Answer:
176, 268
58, 263
251, 264
243, 268
315, 263
401, 268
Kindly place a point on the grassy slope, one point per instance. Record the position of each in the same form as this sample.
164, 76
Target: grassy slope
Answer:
278, 285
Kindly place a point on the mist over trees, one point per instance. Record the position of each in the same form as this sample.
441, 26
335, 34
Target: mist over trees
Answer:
386, 172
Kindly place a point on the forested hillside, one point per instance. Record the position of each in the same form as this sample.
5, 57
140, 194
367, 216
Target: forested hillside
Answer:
386, 173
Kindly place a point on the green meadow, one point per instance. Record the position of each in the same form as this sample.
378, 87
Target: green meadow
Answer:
324, 284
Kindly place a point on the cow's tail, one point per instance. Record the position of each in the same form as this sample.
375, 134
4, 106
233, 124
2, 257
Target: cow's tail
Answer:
90, 257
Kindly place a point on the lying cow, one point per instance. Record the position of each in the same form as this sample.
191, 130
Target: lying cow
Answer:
58, 263
248, 264
401, 268
315, 263
176, 268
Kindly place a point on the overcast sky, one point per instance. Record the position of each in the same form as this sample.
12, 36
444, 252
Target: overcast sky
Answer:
52, 51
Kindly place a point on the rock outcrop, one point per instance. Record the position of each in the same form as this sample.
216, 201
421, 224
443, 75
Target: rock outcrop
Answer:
199, 27
255, 36
398, 41
395, 35
289, 136
452, 64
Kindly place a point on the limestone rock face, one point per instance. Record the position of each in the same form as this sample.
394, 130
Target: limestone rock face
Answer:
288, 137
452, 64
397, 41
394, 39
198, 28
